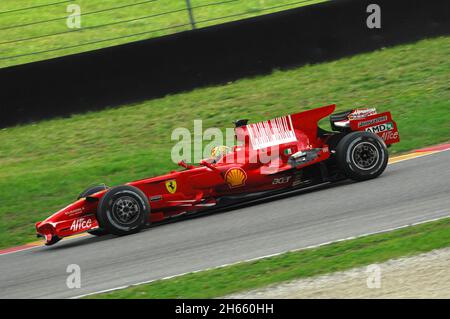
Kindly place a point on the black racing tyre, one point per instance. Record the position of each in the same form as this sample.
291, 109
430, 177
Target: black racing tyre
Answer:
92, 190
123, 210
362, 155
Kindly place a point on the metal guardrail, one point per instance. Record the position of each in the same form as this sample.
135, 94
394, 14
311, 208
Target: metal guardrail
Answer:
189, 8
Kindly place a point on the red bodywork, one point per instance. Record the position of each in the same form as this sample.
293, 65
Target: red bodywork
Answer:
242, 171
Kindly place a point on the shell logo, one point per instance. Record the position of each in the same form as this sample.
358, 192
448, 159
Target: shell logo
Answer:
235, 177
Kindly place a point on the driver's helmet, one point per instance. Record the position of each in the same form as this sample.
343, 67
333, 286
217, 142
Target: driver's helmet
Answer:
219, 151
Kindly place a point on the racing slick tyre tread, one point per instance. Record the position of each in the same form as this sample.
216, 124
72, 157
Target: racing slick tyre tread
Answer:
123, 210
362, 155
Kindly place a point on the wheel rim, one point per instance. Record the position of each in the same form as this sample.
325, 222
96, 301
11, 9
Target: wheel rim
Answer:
126, 210
365, 155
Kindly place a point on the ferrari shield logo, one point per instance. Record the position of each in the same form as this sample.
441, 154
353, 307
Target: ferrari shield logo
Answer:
171, 186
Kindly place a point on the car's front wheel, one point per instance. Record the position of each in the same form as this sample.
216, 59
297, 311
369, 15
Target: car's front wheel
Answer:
362, 155
123, 210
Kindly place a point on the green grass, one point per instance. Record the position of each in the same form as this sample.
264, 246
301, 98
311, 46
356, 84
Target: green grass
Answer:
44, 166
173, 22
294, 265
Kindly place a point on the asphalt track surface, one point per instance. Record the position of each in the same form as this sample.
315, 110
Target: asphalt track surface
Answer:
408, 192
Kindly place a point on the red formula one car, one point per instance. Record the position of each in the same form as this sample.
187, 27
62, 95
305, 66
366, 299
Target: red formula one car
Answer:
270, 157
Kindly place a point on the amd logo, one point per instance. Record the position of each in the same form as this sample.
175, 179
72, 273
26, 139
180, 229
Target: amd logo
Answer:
380, 128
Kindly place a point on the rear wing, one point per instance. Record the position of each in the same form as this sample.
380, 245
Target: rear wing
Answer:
381, 124
367, 120
294, 128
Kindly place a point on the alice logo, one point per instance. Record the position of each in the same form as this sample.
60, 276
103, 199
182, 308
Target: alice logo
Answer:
235, 177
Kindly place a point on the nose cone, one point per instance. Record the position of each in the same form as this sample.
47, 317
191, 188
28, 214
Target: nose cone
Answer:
59, 224
47, 230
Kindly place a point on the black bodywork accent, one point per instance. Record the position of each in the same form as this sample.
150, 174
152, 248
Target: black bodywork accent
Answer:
240, 123
92, 190
340, 116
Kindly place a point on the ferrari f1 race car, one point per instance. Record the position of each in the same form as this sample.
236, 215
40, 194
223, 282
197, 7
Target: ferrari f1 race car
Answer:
269, 157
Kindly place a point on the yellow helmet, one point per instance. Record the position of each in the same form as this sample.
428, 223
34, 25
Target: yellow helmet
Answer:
219, 151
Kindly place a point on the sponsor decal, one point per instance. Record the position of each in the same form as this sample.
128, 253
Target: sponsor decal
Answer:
389, 135
235, 177
281, 180
272, 132
75, 211
361, 113
298, 178
372, 121
380, 128
81, 224
171, 186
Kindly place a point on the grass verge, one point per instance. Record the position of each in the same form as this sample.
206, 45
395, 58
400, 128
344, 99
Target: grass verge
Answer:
294, 265
44, 166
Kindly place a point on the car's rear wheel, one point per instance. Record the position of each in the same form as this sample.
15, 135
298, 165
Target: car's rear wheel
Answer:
123, 210
362, 155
